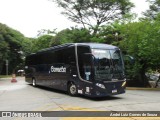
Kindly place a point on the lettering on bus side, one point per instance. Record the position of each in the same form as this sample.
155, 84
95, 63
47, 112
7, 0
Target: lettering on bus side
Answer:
60, 69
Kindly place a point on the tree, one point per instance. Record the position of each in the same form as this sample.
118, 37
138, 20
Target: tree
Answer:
73, 35
141, 40
10, 47
41, 42
94, 13
27, 46
109, 34
154, 9
61, 37
3, 52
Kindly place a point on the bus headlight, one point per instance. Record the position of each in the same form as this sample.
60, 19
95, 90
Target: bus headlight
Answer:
124, 83
100, 85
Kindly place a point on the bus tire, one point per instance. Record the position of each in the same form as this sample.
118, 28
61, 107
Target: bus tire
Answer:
72, 89
34, 82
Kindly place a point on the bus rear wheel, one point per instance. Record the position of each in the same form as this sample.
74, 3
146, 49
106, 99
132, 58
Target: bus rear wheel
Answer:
34, 82
72, 89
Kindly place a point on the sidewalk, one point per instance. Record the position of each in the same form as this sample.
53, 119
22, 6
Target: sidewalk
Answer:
141, 88
6, 84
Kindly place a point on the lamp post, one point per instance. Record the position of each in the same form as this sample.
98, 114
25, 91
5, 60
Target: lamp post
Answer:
116, 36
6, 67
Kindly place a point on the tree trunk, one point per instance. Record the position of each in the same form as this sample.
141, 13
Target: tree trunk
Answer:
143, 77
95, 29
1, 67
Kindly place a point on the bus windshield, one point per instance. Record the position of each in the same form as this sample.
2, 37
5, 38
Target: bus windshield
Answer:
108, 64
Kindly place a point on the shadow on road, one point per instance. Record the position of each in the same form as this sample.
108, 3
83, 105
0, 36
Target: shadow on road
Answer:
107, 98
49, 89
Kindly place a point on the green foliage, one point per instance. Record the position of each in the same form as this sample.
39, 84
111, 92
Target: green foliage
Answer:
110, 33
27, 46
61, 37
10, 47
141, 40
41, 42
73, 35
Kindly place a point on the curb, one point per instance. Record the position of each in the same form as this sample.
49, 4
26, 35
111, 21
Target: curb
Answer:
137, 88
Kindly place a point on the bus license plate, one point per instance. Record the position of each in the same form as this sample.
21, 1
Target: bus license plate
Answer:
114, 91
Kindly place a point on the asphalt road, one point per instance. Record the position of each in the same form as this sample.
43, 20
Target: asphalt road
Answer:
21, 96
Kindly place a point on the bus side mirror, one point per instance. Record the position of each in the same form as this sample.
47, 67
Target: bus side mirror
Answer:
129, 59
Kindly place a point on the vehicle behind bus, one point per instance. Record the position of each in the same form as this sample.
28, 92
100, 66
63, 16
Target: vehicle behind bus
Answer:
89, 69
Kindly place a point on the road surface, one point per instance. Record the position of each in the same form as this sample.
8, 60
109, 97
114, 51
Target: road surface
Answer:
21, 96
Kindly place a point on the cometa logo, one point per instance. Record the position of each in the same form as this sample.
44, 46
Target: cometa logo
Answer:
61, 69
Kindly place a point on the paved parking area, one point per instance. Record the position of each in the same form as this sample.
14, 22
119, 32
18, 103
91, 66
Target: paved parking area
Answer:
21, 96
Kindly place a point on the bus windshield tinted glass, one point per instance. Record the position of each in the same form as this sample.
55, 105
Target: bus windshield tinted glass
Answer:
108, 64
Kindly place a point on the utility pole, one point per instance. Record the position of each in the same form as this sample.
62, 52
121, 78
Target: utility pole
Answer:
6, 67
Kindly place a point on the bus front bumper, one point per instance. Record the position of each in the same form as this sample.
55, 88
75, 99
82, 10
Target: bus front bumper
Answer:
112, 88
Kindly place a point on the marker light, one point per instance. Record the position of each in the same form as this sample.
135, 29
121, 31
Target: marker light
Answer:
124, 83
100, 85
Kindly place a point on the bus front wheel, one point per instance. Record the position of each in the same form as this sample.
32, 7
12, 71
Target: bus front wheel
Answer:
72, 89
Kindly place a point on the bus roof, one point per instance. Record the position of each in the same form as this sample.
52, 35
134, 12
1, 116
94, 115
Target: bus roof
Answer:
98, 45
92, 45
